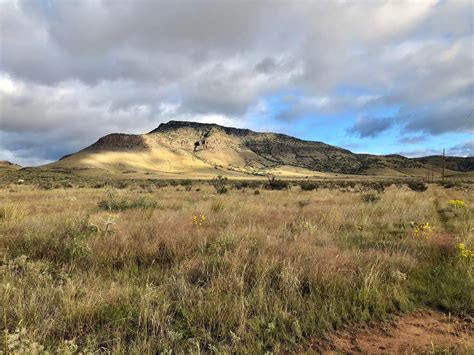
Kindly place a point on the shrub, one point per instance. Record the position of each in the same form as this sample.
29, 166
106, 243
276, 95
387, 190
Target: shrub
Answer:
219, 184
45, 185
370, 198
186, 182
449, 184
122, 184
240, 185
308, 186
256, 192
173, 183
417, 185
378, 186
274, 184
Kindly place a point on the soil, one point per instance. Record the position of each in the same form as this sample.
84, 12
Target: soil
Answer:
427, 332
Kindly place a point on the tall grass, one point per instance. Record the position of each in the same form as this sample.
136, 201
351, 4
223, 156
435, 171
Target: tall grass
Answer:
262, 273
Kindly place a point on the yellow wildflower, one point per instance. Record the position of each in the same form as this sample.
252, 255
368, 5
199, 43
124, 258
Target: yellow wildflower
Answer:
457, 204
198, 220
463, 251
422, 231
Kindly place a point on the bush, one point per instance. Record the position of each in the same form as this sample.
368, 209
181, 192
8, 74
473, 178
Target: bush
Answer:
45, 185
450, 184
186, 182
121, 184
173, 183
242, 185
378, 186
219, 184
370, 198
417, 185
308, 186
274, 184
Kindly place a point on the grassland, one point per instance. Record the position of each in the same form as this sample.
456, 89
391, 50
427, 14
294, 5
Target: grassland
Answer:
129, 267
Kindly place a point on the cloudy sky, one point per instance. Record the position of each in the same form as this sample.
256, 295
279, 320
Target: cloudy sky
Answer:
371, 76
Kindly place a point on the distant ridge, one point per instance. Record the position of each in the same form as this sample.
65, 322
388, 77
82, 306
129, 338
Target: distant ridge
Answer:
192, 149
4, 164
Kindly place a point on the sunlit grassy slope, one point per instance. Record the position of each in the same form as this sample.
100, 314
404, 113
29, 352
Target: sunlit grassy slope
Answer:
169, 152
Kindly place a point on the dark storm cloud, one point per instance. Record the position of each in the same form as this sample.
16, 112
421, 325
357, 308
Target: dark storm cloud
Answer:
370, 126
129, 65
465, 149
456, 115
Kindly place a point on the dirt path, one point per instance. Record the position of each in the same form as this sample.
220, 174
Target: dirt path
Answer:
415, 333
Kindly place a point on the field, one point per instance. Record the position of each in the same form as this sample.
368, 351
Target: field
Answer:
243, 267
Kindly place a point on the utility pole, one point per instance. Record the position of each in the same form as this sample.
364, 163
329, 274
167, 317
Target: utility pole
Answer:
444, 164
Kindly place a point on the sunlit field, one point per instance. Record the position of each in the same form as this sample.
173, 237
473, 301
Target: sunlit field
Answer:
235, 267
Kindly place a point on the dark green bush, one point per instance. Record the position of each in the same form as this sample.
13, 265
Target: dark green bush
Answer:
417, 185
186, 182
275, 184
308, 186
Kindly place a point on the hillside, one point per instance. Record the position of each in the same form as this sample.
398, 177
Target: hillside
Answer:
189, 149
6, 165
452, 163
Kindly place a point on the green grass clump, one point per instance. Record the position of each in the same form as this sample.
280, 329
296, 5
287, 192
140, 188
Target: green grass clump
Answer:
115, 203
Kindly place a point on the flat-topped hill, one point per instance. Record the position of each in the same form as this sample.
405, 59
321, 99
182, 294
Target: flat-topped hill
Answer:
192, 149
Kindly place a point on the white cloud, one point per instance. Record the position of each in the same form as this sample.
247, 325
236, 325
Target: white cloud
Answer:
127, 66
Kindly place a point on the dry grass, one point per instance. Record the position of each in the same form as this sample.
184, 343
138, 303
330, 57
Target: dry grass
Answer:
265, 272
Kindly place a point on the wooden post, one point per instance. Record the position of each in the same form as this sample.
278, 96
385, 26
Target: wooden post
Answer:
432, 174
444, 164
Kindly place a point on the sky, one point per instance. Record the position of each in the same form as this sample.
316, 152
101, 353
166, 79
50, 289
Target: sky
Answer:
372, 76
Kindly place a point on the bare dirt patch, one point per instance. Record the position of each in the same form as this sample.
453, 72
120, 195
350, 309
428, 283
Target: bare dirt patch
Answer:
408, 334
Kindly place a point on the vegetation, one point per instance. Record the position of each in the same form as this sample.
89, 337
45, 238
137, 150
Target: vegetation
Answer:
219, 184
370, 198
308, 186
417, 185
114, 203
275, 184
98, 269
